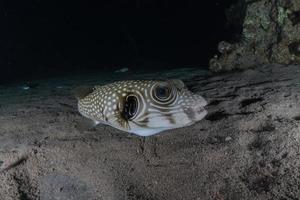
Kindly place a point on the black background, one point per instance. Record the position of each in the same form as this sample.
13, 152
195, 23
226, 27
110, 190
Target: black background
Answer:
40, 38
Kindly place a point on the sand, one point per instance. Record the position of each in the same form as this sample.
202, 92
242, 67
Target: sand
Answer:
246, 148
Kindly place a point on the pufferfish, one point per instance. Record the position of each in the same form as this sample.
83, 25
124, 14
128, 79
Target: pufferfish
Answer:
142, 107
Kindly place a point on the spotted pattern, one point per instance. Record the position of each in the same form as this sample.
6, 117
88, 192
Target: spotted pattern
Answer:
105, 104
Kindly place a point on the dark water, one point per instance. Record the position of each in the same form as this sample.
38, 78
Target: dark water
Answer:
42, 39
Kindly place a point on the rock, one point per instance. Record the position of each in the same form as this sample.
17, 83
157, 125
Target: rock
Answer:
228, 138
225, 47
122, 70
268, 33
30, 85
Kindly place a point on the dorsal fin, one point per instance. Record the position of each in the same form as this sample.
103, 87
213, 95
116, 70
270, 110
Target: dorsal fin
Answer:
82, 91
178, 83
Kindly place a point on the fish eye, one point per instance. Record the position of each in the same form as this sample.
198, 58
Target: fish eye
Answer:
162, 92
130, 107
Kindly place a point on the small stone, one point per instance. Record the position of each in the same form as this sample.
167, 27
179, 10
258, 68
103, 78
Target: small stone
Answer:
25, 87
228, 138
122, 70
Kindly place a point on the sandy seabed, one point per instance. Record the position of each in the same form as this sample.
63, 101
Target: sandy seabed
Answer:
248, 146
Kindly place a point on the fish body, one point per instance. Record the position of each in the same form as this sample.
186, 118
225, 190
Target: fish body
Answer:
142, 107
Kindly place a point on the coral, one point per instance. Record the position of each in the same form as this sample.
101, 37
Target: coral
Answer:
269, 34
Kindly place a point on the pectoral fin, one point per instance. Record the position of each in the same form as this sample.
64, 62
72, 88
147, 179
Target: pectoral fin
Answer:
86, 124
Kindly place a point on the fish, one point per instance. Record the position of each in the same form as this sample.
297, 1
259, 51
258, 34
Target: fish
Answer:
141, 107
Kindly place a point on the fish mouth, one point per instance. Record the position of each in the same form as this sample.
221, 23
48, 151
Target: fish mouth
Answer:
193, 106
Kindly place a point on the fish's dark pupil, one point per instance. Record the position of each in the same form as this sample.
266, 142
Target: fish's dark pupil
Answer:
162, 92
130, 107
